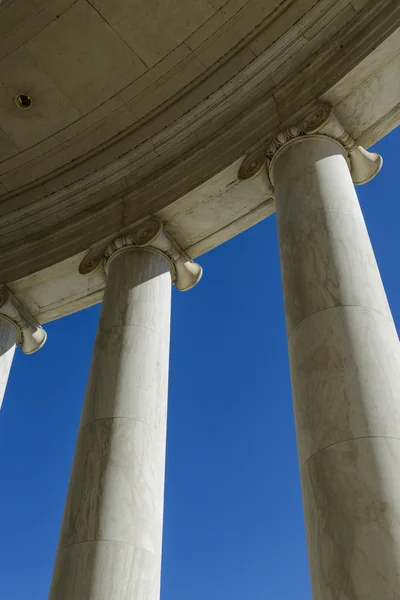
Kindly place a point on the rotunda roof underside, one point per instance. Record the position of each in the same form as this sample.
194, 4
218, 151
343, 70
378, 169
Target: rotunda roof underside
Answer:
131, 104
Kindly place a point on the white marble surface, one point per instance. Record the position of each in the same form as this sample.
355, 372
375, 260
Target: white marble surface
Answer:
345, 370
110, 542
8, 338
345, 366
351, 494
135, 572
326, 255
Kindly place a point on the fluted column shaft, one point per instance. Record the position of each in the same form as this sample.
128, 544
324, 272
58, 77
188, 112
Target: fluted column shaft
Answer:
8, 340
110, 543
345, 370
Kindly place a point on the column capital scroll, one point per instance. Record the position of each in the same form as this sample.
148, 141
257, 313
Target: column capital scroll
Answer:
320, 121
31, 336
150, 234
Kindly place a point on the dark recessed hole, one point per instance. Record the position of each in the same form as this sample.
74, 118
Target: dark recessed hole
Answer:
23, 101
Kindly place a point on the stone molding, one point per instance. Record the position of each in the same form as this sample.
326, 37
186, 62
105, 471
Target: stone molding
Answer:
31, 336
321, 120
150, 234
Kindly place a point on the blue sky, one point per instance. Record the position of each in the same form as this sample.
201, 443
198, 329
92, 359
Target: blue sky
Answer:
233, 523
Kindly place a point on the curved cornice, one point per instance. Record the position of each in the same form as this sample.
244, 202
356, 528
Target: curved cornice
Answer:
221, 129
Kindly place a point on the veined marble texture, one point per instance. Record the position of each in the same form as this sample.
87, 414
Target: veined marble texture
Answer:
345, 369
110, 542
351, 495
83, 572
326, 255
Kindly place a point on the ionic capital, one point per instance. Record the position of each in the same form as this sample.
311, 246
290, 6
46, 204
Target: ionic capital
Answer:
184, 272
321, 120
31, 336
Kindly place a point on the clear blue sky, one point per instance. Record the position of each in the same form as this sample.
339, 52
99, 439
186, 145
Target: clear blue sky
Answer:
233, 517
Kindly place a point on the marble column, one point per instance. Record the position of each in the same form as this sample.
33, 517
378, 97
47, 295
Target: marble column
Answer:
8, 340
110, 542
17, 327
344, 357
345, 370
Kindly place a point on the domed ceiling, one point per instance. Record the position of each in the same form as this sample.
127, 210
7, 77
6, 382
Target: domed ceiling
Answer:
113, 109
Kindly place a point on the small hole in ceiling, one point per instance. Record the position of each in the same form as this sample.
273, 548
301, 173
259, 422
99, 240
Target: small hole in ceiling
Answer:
23, 101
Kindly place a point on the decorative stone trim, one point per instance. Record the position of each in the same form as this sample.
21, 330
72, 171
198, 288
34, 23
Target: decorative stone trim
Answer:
363, 165
184, 272
31, 336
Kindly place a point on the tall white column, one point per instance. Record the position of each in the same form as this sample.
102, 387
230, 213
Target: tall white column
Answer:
110, 542
344, 357
8, 340
17, 327
345, 369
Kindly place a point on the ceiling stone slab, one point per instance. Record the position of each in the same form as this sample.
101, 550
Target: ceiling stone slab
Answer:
13, 14
7, 147
48, 10
51, 108
154, 28
85, 56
